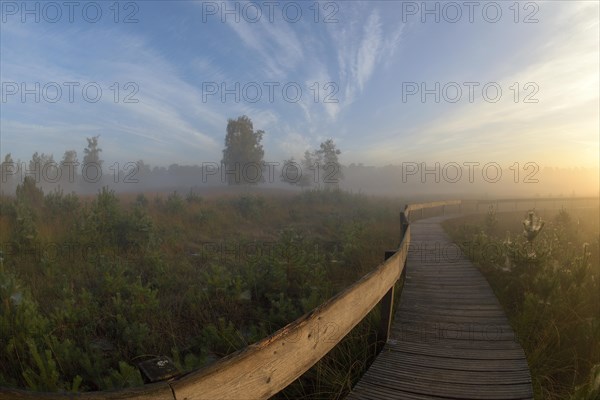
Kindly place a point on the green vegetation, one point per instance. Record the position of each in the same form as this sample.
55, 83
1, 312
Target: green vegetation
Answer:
91, 286
550, 291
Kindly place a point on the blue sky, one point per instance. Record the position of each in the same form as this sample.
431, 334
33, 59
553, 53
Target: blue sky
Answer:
367, 55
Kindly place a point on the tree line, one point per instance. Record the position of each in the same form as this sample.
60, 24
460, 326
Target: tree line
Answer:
243, 163
243, 148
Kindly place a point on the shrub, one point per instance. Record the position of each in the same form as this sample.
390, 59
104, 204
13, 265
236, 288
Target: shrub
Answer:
174, 204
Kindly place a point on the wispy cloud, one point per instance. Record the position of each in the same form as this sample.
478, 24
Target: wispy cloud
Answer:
361, 47
369, 51
277, 46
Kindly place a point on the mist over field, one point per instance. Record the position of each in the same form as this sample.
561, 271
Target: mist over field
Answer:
467, 180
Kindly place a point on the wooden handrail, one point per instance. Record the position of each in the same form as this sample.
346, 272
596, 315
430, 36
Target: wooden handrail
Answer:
524, 199
538, 202
410, 208
268, 366
263, 369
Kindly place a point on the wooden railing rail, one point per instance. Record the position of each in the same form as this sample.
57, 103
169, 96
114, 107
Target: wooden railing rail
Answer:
411, 209
522, 204
264, 368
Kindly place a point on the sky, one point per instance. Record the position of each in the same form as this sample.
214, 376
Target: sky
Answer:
388, 81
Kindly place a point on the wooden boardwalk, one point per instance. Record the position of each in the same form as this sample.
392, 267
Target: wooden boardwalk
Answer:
450, 338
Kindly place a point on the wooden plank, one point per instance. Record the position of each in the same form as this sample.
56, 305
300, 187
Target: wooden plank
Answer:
381, 390
447, 349
455, 390
410, 316
449, 363
440, 375
386, 307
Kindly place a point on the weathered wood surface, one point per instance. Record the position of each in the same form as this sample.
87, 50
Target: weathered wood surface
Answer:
450, 337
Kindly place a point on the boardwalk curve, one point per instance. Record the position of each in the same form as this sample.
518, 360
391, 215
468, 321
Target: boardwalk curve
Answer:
450, 338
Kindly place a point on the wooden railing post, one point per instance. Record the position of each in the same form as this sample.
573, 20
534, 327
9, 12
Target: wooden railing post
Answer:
387, 307
403, 225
